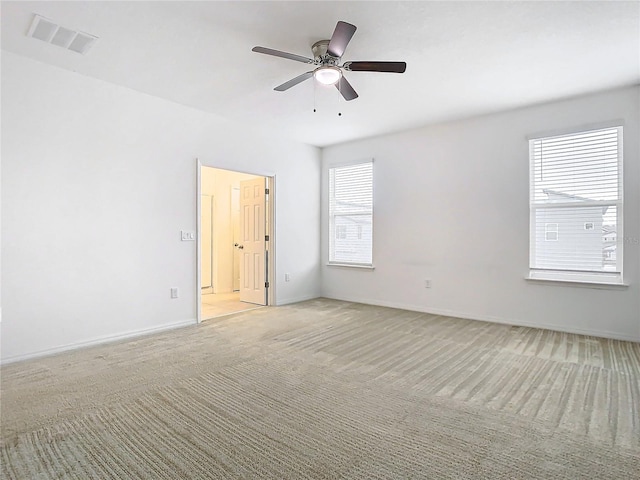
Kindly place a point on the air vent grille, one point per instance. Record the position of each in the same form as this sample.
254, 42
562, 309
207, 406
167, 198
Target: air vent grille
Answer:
63, 37
42, 30
50, 32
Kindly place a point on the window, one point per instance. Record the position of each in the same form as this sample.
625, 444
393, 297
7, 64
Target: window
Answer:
576, 206
351, 214
551, 232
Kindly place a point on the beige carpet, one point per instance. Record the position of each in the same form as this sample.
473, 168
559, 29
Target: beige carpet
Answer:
326, 390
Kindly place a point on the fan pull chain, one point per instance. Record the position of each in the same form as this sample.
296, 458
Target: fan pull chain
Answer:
314, 96
315, 109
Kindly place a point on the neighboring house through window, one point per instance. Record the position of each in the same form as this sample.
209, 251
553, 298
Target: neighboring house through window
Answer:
576, 206
351, 214
551, 232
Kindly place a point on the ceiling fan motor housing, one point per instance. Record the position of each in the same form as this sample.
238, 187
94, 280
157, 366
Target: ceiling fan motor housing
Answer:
320, 54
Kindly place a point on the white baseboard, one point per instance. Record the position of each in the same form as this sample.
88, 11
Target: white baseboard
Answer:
492, 319
287, 301
98, 341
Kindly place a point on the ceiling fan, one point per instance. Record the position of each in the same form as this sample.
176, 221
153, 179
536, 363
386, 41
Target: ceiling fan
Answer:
326, 57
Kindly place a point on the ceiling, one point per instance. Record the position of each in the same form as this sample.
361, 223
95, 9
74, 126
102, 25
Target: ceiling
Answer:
463, 58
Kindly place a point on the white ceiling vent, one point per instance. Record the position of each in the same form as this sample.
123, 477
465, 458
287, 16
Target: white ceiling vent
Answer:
47, 31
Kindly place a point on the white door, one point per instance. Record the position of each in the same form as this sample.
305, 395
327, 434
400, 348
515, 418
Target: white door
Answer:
237, 239
253, 246
206, 245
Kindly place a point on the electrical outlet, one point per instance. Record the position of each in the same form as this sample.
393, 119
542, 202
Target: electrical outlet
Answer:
174, 292
427, 283
287, 277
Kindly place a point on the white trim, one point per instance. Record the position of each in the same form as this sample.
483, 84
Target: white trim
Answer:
620, 208
101, 341
198, 242
348, 163
559, 132
304, 298
491, 319
577, 283
585, 279
350, 265
592, 203
271, 263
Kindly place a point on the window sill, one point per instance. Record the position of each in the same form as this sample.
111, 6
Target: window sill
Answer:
351, 265
578, 283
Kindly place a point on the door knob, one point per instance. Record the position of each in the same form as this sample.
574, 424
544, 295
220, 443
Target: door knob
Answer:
240, 247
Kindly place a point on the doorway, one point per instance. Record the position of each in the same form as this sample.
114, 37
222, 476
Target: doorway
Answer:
235, 242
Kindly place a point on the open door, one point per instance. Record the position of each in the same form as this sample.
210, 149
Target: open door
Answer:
253, 244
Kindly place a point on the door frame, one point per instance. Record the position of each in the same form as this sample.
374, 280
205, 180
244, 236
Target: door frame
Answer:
270, 262
212, 244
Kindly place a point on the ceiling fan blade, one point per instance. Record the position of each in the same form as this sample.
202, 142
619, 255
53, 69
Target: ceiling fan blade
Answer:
346, 89
294, 81
340, 39
278, 53
392, 67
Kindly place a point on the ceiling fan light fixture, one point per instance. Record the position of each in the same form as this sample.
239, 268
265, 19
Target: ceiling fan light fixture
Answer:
327, 75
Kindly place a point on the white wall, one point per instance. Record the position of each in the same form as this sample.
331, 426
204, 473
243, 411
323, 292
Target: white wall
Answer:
91, 238
451, 205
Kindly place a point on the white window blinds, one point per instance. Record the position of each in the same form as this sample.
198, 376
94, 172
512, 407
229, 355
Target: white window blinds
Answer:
576, 203
351, 214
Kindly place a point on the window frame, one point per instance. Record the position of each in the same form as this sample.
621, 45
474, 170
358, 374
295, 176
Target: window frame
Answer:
331, 216
595, 279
